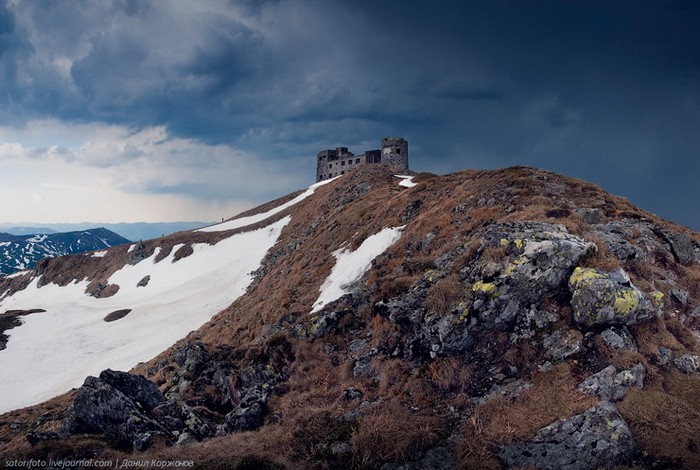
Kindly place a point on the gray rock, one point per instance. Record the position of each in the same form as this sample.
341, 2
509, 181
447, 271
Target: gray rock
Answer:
665, 356
245, 417
611, 385
562, 344
688, 363
509, 391
319, 325
253, 387
619, 338
591, 215
540, 259
191, 356
140, 390
363, 364
352, 394
613, 235
428, 334
530, 321
605, 299
115, 405
684, 249
680, 295
599, 437
185, 438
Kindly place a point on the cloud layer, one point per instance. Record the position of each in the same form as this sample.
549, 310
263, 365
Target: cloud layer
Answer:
224, 103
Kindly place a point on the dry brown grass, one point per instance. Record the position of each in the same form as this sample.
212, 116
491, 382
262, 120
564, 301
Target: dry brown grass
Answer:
684, 387
389, 432
553, 396
449, 374
653, 334
443, 296
664, 426
399, 380
601, 259
681, 333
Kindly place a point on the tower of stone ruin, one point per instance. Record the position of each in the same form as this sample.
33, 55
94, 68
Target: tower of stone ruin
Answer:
395, 152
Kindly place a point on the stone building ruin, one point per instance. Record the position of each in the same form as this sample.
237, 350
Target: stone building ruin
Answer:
332, 163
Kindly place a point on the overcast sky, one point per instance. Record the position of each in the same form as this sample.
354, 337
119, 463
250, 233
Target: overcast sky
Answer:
124, 110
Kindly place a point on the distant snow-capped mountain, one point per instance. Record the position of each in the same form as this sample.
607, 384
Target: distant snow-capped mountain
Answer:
18, 252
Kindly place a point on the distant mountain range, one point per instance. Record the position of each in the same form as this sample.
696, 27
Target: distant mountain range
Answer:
18, 252
132, 231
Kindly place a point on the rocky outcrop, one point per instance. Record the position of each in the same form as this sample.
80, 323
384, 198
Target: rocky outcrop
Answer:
599, 437
539, 259
204, 398
431, 333
601, 299
493, 296
116, 404
253, 388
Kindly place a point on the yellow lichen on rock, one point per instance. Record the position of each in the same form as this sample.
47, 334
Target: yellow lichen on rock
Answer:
481, 286
584, 275
658, 297
626, 301
519, 243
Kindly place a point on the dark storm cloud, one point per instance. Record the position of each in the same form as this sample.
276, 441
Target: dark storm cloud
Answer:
607, 91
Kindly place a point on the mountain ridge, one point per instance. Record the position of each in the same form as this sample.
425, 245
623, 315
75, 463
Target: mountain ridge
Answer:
128, 230
20, 252
468, 341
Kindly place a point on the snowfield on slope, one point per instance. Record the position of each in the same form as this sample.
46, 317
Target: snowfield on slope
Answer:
52, 352
253, 219
350, 266
406, 181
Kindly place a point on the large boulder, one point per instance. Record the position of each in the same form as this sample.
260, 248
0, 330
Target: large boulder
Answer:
599, 437
116, 404
539, 259
601, 299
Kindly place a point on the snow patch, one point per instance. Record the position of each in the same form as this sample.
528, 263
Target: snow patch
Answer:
37, 238
17, 274
406, 181
350, 266
99, 254
53, 351
252, 219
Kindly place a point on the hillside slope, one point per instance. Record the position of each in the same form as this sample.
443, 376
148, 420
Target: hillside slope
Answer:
19, 252
483, 319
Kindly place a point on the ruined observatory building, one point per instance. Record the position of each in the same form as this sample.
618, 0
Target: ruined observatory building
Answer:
331, 163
